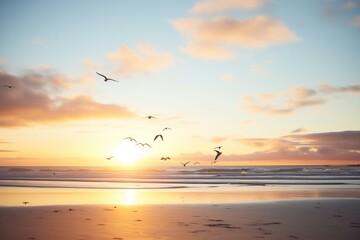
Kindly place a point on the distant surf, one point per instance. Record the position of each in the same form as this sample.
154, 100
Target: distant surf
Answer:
178, 177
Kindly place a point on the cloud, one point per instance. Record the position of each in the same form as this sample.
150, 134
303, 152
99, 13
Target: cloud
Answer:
216, 38
218, 139
312, 148
292, 99
326, 146
350, 5
7, 151
299, 130
227, 77
38, 99
269, 110
89, 67
219, 6
3, 61
246, 98
144, 60
303, 92
343, 89
356, 21
306, 103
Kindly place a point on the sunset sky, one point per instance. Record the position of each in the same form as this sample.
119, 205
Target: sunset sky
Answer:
273, 82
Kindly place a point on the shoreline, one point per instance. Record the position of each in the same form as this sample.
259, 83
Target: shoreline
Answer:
15, 196
286, 219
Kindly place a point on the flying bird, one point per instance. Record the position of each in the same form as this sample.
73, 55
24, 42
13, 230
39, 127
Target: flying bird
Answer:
196, 163
218, 153
184, 164
165, 158
8, 86
109, 158
25, 203
218, 147
160, 136
106, 78
167, 128
150, 117
144, 144
131, 139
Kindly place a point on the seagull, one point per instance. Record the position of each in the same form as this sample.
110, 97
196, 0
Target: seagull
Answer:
196, 163
25, 203
167, 128
165, 158
159, 135
109, 158
184, 164
131, 139
8, 86
144, 144
219, 147
150, 117
106, 78
218, 153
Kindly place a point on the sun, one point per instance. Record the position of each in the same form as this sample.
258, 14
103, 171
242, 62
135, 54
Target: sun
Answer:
128, 153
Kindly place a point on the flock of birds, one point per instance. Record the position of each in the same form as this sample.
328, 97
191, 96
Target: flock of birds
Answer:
158, 136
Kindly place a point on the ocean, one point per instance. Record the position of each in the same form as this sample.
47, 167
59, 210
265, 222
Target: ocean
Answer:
191, 184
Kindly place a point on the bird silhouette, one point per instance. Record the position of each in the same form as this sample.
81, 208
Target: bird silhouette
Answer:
25, 203
109, 158
165, 158
167, 128
160, 136
106, 78
195, 163
131, 139
143, 144
8, 86
218, 153
150, 117
184, 164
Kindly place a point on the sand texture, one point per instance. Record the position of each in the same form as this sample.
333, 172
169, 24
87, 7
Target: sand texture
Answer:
309, 219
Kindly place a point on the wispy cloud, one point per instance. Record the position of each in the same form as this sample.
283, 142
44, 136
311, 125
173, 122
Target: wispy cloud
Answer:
227, 77
219, 139
216, 38
356, 21
144, 60
7, 151
299, 130
350, 5
340, 89
306, 147
3, 61
312, 148
269, 110
292, 99
39, 98
219, 6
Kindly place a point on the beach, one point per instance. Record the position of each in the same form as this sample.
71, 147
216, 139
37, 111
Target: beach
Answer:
305, 219
173, 203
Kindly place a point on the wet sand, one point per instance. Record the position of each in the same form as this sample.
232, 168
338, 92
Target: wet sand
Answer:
292, 219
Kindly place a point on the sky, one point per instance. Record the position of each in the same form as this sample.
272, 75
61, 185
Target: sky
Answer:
272, 82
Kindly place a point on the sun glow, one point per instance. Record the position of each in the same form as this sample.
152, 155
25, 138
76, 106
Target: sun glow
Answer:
128, 153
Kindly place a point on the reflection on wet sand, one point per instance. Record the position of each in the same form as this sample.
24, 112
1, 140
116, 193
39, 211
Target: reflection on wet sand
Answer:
44, 196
